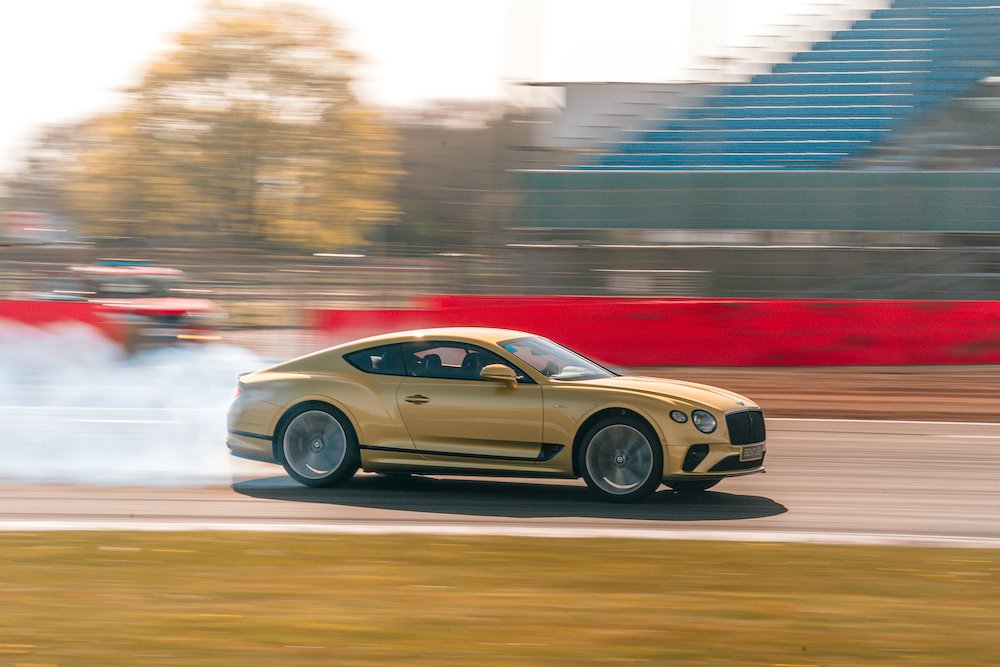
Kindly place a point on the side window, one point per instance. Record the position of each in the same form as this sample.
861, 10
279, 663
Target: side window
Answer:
383, 360
452, 361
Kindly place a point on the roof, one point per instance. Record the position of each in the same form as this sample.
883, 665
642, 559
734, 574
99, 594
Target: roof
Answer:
464, 334
126, 270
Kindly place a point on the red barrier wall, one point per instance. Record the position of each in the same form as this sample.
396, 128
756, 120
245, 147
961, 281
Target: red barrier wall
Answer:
715, 332
48, 313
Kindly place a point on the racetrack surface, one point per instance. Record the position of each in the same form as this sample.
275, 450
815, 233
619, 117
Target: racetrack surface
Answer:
832, 481
92, 439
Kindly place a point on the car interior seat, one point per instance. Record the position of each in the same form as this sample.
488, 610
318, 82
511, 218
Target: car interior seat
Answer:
391, 362
471, 366
432, 364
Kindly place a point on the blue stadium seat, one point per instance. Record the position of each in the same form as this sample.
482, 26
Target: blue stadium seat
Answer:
733, 101
849, 87
862, 55
892, 22
949, 16
959, 40
865, 67
831, 102
843, 111
923, 4
897, 77
704, 166
882, 45
721, 159
908, 33
652, 141
769, 146
779, 123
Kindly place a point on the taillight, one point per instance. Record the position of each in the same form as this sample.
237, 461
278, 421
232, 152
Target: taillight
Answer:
239, 392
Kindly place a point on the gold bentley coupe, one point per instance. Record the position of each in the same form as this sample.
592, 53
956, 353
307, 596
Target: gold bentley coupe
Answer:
490, 402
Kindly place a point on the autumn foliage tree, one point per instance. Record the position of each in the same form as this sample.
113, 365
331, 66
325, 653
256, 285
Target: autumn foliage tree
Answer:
247, 132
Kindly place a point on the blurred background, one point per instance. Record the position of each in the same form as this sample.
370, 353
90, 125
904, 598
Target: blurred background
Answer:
797, 200
194, 167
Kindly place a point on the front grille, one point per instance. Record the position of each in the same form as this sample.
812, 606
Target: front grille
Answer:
733, 462
746, 427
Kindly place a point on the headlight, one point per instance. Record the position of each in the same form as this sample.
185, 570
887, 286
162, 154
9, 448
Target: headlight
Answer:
678, 416
703, 421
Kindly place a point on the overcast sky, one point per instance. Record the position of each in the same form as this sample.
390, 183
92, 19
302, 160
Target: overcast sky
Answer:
63, 60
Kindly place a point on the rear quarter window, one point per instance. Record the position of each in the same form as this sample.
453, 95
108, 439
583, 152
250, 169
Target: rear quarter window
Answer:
381, 360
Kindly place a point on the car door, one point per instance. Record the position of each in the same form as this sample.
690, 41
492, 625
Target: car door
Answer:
449, 411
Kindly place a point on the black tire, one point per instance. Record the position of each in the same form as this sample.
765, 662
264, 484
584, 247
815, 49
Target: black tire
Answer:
621, 459
317, 445
693, 486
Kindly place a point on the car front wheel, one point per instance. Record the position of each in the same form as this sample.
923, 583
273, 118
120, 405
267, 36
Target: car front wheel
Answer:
318, 446
621, 459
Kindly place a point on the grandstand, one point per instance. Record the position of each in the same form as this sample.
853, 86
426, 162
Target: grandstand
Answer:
830, 106
815, 178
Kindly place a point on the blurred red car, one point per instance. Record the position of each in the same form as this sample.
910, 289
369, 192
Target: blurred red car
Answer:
150, 303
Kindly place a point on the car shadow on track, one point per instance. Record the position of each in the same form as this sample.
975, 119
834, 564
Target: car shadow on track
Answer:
512, 499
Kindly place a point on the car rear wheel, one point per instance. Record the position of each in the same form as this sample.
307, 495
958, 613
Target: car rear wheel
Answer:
693, 486
318, 446
621, 459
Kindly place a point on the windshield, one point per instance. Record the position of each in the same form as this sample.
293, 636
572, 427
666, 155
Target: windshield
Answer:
132, 286
553, 360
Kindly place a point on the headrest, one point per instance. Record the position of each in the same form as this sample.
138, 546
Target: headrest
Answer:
432, 362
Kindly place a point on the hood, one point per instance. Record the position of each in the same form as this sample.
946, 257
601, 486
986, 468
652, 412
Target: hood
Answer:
678, 390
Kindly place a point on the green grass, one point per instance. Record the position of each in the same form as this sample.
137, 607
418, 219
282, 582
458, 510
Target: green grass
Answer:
263, 599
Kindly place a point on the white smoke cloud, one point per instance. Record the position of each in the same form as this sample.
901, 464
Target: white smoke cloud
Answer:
75, 408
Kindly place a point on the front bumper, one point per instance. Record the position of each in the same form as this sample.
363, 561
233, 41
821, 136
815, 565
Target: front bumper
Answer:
721, 460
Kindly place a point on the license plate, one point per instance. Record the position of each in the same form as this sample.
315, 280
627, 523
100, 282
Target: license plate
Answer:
752, 453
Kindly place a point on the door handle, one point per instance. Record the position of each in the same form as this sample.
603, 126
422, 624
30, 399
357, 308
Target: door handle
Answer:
417, 399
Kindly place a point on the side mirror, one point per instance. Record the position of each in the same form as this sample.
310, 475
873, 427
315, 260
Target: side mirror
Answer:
499, 373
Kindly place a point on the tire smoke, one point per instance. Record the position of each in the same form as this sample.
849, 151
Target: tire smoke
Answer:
74, 408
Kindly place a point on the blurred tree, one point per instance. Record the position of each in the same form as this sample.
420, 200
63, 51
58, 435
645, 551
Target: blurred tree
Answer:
40, 184
457, 158
246, 133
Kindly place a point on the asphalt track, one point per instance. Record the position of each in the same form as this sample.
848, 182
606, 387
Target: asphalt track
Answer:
828, 481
